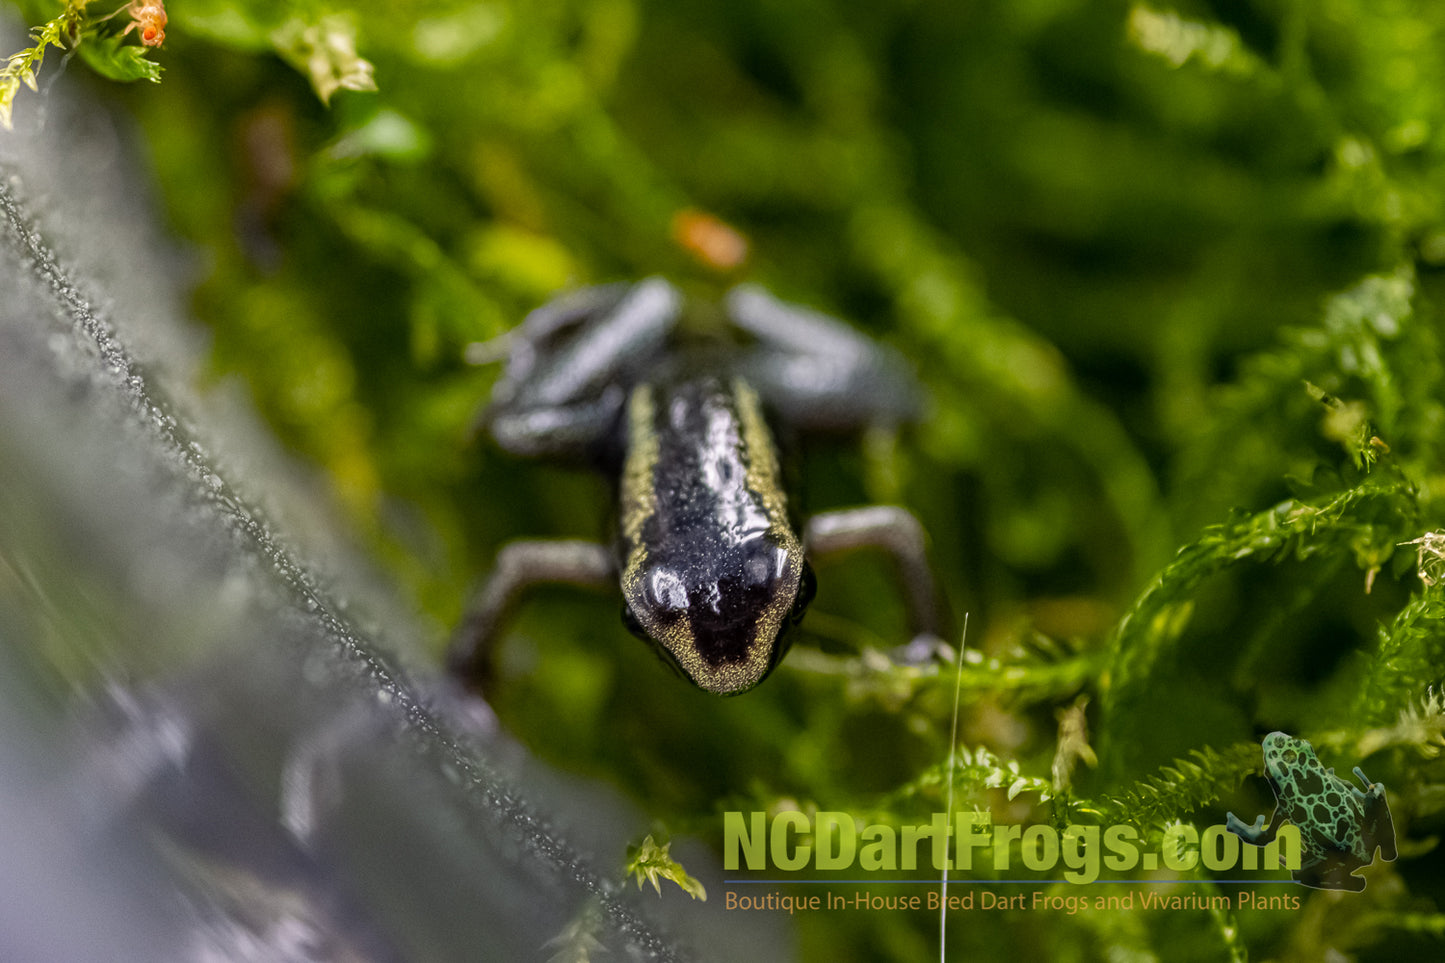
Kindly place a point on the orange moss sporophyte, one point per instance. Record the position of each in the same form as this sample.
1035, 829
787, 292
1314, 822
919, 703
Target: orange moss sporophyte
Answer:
148, 20
711, 240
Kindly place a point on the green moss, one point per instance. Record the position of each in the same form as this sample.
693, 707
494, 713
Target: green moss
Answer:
1170, 274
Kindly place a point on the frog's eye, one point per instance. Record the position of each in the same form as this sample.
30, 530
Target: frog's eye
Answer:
764, 565
667, 593
757, 570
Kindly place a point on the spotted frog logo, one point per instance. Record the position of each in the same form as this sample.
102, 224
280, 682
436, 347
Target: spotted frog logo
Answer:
1340, 826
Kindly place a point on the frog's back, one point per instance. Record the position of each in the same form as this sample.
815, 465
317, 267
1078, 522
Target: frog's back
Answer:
701, 472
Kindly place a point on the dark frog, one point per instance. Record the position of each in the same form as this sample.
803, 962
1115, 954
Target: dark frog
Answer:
1340, 826
678, 405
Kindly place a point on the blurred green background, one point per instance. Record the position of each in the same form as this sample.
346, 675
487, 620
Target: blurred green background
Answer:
1169, 273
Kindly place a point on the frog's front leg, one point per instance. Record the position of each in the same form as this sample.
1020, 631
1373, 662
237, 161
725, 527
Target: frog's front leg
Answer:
519, 567
898, 532
817, 372
1256, 834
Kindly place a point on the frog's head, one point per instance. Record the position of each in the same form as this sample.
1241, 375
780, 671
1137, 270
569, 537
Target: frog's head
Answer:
1288, 761
720, 616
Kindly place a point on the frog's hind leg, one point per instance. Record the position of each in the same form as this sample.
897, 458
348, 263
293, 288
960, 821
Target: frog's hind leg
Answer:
1331, 874
580, 341
1378, 825
816, 370
570, 431
1380, 830
520, 566
570, 362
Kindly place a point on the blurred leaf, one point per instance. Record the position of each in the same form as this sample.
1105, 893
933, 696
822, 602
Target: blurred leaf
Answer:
114, 59
325, 52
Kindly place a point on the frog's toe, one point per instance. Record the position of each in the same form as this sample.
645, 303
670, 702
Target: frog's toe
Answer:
1248, 832
1326, 876
922, 650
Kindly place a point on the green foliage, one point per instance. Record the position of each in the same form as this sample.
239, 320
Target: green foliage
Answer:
577, 943
1172, 277
325, 53
20, 68
104, 50
1181, 789
1361, 523
321, 46
652, 862
113, 59
973, 769
1410, 649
